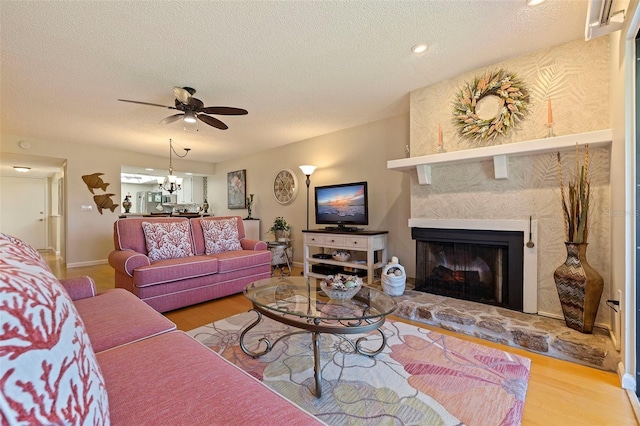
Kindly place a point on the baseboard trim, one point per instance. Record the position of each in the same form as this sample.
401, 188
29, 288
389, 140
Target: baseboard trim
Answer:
635, 405
561, 317
88, 263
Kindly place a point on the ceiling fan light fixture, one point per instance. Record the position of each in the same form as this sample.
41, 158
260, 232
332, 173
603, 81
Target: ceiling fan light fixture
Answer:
189, 117
21, 169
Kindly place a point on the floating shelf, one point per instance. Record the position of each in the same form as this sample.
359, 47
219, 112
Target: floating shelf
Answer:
499, 153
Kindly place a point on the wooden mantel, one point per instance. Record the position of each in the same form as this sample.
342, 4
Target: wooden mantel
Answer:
499, 153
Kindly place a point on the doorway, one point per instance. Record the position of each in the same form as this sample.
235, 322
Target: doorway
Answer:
23, 213
25, 195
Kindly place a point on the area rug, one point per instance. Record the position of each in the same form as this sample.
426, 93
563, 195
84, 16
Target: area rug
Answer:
421, 378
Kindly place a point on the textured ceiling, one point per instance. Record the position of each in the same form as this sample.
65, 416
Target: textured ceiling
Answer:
301, 68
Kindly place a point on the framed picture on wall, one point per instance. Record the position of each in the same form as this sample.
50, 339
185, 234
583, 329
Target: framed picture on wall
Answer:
237, 189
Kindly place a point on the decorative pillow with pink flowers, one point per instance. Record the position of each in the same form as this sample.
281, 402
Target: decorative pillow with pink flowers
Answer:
221, 235
167, 240
49, 372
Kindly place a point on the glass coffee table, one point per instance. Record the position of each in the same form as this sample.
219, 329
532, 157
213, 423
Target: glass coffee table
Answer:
298, 302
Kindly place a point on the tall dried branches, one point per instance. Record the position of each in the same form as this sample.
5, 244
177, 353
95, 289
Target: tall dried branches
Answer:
575, 199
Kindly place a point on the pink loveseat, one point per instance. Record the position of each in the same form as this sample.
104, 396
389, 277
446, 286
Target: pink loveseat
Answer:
71, 356
175, 282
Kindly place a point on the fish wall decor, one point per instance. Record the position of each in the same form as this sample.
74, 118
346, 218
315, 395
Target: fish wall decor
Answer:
104, 201
94, 181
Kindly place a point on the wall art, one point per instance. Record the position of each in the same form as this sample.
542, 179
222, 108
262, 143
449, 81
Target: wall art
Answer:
237, 189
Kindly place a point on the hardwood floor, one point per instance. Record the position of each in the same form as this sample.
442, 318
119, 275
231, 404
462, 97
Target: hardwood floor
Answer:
559, 392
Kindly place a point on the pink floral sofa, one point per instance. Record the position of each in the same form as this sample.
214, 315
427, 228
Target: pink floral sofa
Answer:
174, 262
71, 356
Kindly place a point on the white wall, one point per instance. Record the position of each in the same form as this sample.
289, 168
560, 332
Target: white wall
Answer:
90, 234
623, 186
355, 154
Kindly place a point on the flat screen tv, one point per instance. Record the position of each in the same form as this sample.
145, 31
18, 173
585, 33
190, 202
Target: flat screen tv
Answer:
342, 206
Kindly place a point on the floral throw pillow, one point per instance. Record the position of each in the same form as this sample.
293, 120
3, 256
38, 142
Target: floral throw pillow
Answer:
167, 240
50, 374
220, 235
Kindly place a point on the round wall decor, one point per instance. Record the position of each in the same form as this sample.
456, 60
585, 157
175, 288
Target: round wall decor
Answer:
490, 105
285, 186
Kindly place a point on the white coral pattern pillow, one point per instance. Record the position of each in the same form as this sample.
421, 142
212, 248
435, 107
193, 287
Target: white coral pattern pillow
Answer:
50, 374
220, 235
167, 240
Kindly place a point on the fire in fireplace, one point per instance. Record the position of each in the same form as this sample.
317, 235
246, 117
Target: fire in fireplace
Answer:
478, 265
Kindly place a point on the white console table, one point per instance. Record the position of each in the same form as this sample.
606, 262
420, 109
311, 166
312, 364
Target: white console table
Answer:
368, 242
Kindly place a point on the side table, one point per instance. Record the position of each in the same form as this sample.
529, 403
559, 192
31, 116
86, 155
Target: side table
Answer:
281, 255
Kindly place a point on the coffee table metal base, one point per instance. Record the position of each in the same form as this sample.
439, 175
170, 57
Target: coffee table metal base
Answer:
315, 329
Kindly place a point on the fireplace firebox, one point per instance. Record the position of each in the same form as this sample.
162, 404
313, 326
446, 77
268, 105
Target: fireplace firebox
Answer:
483, 266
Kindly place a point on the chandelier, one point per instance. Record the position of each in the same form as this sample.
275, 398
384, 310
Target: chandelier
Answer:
171, 183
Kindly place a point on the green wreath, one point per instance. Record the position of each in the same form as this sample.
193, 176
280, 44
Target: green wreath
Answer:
514, 106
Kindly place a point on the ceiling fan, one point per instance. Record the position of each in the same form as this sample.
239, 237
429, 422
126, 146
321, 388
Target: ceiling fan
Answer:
193, 108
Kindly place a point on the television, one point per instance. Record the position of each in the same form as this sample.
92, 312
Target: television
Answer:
342, 206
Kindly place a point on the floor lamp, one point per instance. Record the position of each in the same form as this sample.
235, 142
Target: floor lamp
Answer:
308, 171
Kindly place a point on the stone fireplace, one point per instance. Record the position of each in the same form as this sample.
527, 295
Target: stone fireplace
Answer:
484, 261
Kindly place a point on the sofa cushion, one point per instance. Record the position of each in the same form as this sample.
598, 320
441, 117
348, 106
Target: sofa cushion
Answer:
49, 370
235, 260
172, 379
117, 317
167, 240
198, 233
221, 235
165, 271
128, 233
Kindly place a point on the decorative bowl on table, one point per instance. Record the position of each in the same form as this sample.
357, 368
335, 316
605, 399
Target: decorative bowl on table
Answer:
341, 286
341, 255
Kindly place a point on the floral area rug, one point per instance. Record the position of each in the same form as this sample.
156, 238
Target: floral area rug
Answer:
421, 377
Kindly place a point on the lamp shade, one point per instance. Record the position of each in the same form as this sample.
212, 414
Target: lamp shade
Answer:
308, 169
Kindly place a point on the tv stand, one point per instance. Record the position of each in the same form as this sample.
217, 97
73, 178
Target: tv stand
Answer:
372, 243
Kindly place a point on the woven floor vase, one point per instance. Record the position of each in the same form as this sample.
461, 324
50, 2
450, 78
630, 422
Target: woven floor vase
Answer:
579, 288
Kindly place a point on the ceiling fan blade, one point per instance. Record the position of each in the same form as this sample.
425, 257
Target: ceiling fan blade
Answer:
211, 121
146, 103
182, 95
220, 110
171, 119
197, 103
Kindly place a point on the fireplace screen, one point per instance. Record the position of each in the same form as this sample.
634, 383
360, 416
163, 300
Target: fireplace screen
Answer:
481, 266
464, 271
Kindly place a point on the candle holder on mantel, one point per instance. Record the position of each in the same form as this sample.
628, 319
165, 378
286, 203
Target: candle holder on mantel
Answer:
550, 133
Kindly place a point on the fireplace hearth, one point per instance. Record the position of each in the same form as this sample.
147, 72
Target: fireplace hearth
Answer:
483, 266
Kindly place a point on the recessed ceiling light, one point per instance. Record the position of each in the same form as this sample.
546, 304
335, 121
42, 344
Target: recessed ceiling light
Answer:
149, 170
419, 48
535, 2
21, 169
